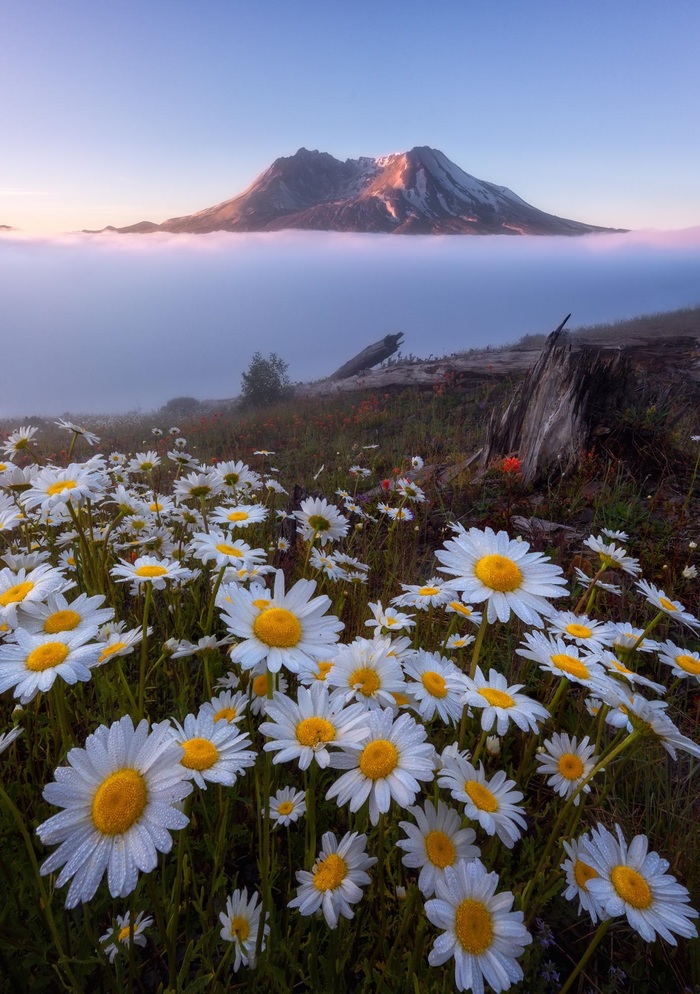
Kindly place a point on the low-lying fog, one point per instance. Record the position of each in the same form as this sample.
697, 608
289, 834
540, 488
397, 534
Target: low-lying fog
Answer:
109, 323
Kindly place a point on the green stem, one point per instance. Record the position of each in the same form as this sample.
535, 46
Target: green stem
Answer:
144, 649
592, 946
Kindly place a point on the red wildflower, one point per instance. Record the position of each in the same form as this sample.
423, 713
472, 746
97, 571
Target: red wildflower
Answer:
512, 465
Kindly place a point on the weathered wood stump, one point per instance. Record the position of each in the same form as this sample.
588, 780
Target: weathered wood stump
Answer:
371, 356
571, 395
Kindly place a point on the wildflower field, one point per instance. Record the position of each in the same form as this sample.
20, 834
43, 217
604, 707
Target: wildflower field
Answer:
284, 706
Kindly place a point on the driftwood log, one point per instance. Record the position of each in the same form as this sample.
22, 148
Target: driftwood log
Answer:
371, 356
571, 395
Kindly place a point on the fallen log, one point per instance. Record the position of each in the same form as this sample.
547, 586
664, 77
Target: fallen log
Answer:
371, 356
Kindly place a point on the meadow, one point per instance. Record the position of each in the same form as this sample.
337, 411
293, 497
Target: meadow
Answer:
310, 667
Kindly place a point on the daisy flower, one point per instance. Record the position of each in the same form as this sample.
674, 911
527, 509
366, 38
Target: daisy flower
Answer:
257, 689
222, 550
19, 440
367, 671
581, 629
214, 752
436, 685
389, 620
411, 491
228, 707
416, 462
434, 843
632, 711
626, 636
465, 610
148, 569
578, 872
313, 670
18, 589
683, 662
480, 931
430, 594
291, 628
502, 704
633, 882
319, 519
490, 802
613, 556
32, 663
239, 515
90, 437
121, 796
287, 806
336, 880
240, 924
457, 641
197, 486
616, 536
119, 643
566, 762
304, 730
122, 933
674, 609
327, 565
399, 514
57, 614
237, 476
7, 738
143, 462
501, 571
616, 668
556, 656
392, 758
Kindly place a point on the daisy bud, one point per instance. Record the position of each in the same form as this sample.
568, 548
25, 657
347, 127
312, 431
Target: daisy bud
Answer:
493, 745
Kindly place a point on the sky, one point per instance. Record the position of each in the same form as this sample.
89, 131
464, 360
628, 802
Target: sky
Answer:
112, 113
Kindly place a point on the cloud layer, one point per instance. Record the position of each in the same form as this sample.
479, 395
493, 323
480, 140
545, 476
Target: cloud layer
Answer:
107, 323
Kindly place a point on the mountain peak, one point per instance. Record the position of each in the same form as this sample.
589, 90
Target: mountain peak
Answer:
420, 191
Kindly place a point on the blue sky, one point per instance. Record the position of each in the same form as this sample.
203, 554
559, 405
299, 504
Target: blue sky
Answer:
119, 112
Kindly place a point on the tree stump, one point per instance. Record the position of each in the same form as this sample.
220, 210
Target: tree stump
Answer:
369, 357
571, 395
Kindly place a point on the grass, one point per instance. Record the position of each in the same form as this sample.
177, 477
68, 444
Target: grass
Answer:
320, 447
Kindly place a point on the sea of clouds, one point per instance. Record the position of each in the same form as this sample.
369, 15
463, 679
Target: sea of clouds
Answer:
113, 323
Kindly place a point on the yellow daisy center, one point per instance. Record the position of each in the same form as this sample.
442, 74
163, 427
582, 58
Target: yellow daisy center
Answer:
260, 685
330, 872
498, 573
473, 926
366, 680
110, 650
631, 886
583, 873
277, 627
17, 593
119, 802
428, 591
578, 631
570, 766
571, 665
45, 656
240, 928
150, 571
379, 759
481, 796
238, 516
60, 486
200, 754
434, 683
229, 550
666, 604
225, 714
156, 506
286, 808
124, 933
312, 731
497, 698
261, 603
323, 669
319, 523
440, 849
401, 699
61, 621
460, 608
231, 479
688, 663
619, 667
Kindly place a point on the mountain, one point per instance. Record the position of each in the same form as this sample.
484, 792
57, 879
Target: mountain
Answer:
416, 192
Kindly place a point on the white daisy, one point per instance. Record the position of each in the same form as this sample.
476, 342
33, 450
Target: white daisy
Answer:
31, 664
228, 707
502, 703
304, 730
490, 802
336, 879
683, 662
458, 641
632, 711
674, 609
214, 752
388, 620
613, 665
57, 614
19, 440
240, 924
319, 519
285, 632
239, 515
432, 593
122, 932
436, 685
581, 629
501, 571
626, 636
26, 587
632, 881
556, 656
287, 806
222, 550
122, 796
481, 932
257, 689
7, 738
566, 762
237, 476
613, 556
90, 437
578, 872
54, 485
148, 569
465, 610
393, 757
436, 842
197, 486
119, 643
367, 671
